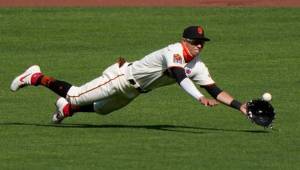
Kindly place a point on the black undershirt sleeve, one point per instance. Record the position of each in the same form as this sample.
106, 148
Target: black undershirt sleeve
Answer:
178, 73
213, 90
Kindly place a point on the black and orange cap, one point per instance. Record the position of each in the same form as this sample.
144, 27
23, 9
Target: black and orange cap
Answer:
194, 32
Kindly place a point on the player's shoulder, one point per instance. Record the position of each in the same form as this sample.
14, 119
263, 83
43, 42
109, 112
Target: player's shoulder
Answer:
199, 61
175, 47
173, 55
172, 50
197, 64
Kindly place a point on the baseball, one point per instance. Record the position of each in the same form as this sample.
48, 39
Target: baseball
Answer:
267, 97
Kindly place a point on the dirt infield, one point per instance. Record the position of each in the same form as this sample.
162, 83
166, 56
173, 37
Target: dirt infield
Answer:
147, 3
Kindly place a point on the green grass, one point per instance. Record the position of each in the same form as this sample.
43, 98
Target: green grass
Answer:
253, 50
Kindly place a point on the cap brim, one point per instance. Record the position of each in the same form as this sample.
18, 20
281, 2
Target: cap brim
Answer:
205, 39
201, 38
197, 38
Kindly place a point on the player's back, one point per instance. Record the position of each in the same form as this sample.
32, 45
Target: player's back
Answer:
154, 67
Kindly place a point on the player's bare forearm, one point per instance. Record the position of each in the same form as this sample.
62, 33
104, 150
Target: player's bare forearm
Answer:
227, 99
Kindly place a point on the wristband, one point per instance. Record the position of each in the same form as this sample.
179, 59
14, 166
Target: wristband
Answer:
235, 104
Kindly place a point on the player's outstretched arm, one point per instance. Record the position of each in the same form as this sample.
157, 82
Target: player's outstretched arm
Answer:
189, 87
225, 98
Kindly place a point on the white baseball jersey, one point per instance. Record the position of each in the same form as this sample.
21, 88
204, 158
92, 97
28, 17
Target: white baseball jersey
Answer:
113, 90
152, 71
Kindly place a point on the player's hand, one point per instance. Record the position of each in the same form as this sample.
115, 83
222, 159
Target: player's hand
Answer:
208, 102
243, 109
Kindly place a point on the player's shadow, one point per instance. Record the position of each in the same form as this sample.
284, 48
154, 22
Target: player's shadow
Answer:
164, 127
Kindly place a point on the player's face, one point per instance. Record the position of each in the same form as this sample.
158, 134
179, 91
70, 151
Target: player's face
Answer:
195, 46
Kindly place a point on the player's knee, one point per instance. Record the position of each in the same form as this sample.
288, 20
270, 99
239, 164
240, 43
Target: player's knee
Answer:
109, 105
73, 95
100, 107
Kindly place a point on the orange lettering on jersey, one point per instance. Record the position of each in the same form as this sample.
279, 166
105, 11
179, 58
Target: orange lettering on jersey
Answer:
177, 59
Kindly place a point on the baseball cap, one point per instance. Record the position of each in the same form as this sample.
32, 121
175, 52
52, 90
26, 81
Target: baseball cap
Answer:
194, 32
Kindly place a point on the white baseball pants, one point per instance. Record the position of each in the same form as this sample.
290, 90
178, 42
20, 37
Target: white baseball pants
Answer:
107, 93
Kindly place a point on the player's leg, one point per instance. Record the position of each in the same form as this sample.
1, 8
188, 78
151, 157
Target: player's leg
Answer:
29, 77
81, 98
103, 99
105, 94
33, 76
104, 106
108, 105
59, 87
65, 109
108, 84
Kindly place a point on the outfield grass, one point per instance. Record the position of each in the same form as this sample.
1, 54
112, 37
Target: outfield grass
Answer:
252, 51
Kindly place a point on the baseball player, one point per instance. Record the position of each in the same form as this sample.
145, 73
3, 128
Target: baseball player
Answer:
123, 81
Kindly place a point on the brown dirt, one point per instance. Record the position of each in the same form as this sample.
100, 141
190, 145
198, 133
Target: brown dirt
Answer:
146, 3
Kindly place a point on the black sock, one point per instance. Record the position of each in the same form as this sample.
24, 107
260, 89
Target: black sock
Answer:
84, 108
59, 87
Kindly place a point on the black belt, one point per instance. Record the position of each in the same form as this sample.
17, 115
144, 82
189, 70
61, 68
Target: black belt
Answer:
139, 89
132, 82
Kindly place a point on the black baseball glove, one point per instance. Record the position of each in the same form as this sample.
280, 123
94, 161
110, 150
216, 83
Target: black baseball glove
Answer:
260, 112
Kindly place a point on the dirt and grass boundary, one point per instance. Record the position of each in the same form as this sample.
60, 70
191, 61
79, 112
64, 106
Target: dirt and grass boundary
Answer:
149, 3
